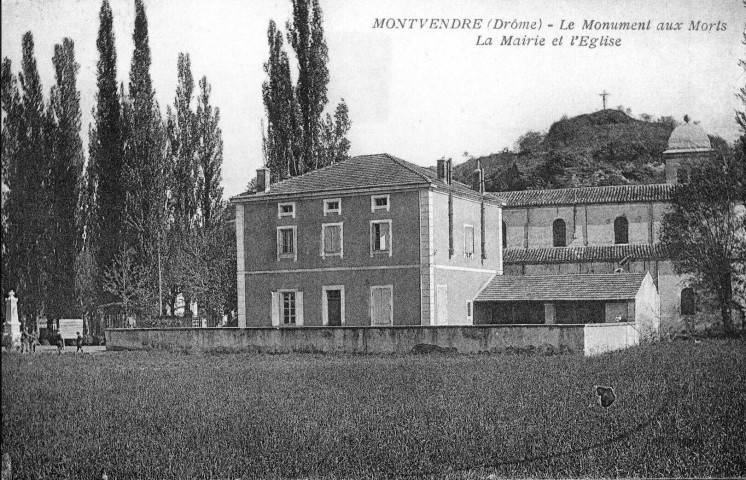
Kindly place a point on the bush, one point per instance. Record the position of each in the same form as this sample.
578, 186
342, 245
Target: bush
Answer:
44, 342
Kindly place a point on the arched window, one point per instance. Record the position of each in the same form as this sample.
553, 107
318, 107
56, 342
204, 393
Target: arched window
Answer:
505, 236
559, 233
687, 301
621, 230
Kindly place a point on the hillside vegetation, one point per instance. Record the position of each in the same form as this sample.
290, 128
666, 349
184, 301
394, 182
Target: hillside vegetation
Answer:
607, 147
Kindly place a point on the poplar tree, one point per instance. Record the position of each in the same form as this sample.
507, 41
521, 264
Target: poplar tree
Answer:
103, 207
27, 203
182, 133
210, 156
334, 145
306, 36
65, 181
11, 110
298, 137
145, 153
283, 140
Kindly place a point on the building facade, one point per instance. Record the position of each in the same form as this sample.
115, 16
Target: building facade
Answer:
373, 241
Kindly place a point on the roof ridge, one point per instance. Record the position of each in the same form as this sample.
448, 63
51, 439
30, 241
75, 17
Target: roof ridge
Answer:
405, 164
575, 189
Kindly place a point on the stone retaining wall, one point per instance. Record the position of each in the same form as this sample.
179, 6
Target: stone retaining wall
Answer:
374, 340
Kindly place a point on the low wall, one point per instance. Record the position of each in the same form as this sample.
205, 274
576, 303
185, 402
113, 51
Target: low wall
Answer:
374, 340
607, 337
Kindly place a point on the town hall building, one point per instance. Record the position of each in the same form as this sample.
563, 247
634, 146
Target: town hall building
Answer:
378, 241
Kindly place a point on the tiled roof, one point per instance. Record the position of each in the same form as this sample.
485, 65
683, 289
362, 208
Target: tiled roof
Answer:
366, 171
618, 286
605, 253
571, 196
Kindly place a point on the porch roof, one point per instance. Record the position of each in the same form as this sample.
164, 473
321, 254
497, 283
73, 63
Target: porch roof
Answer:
591, 287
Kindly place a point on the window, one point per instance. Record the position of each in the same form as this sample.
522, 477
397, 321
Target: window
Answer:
287, 308
621, 230
331, 240
468, 241
380, 237
682, 175
559, 234
286, 243
333, 206
505, 236
687, 301
469, 312
286, 210
379, 202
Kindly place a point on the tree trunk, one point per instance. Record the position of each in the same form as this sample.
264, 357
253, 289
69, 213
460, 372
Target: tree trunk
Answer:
726, 296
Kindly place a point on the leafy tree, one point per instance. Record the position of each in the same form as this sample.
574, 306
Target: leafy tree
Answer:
65, 182
104, 194
704, 230
529, 142
208, 265
129, 284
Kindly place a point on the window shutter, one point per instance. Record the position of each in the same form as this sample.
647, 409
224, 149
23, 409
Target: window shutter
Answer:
275, 309
299, 308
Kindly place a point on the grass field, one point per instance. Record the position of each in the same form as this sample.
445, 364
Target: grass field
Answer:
680, 412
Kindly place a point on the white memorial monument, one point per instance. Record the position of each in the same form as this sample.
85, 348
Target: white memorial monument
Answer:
11, 327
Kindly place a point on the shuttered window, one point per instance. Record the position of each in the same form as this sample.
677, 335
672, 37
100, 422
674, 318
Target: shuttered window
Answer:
331, 239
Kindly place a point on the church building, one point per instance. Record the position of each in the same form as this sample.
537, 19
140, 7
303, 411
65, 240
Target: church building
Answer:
594, 230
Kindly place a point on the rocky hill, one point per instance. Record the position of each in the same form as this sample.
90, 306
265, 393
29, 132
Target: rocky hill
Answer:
607, 147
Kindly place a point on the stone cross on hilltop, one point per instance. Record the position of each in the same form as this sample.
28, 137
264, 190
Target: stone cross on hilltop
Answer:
603, 95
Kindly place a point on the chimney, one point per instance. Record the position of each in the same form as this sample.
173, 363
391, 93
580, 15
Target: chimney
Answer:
477, 178
442, 169
262, 180
445, 171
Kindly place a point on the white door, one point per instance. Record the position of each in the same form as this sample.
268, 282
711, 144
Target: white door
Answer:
441, 309
381, 305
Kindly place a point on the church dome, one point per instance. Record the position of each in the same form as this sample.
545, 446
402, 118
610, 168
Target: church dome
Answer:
688, 137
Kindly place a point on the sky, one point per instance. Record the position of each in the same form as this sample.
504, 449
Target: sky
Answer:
420, 93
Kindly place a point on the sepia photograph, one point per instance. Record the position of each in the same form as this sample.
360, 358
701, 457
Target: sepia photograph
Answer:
328, 239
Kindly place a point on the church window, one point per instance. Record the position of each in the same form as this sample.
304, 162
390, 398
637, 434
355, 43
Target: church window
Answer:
505, 236
559, 233
687, 301
621, 230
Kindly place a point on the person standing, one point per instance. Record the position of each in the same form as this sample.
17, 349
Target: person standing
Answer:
79, 343
60, 343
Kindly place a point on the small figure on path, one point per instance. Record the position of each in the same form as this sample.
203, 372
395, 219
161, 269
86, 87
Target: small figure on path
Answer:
605, 397
60, 343
25, 341
79, 343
